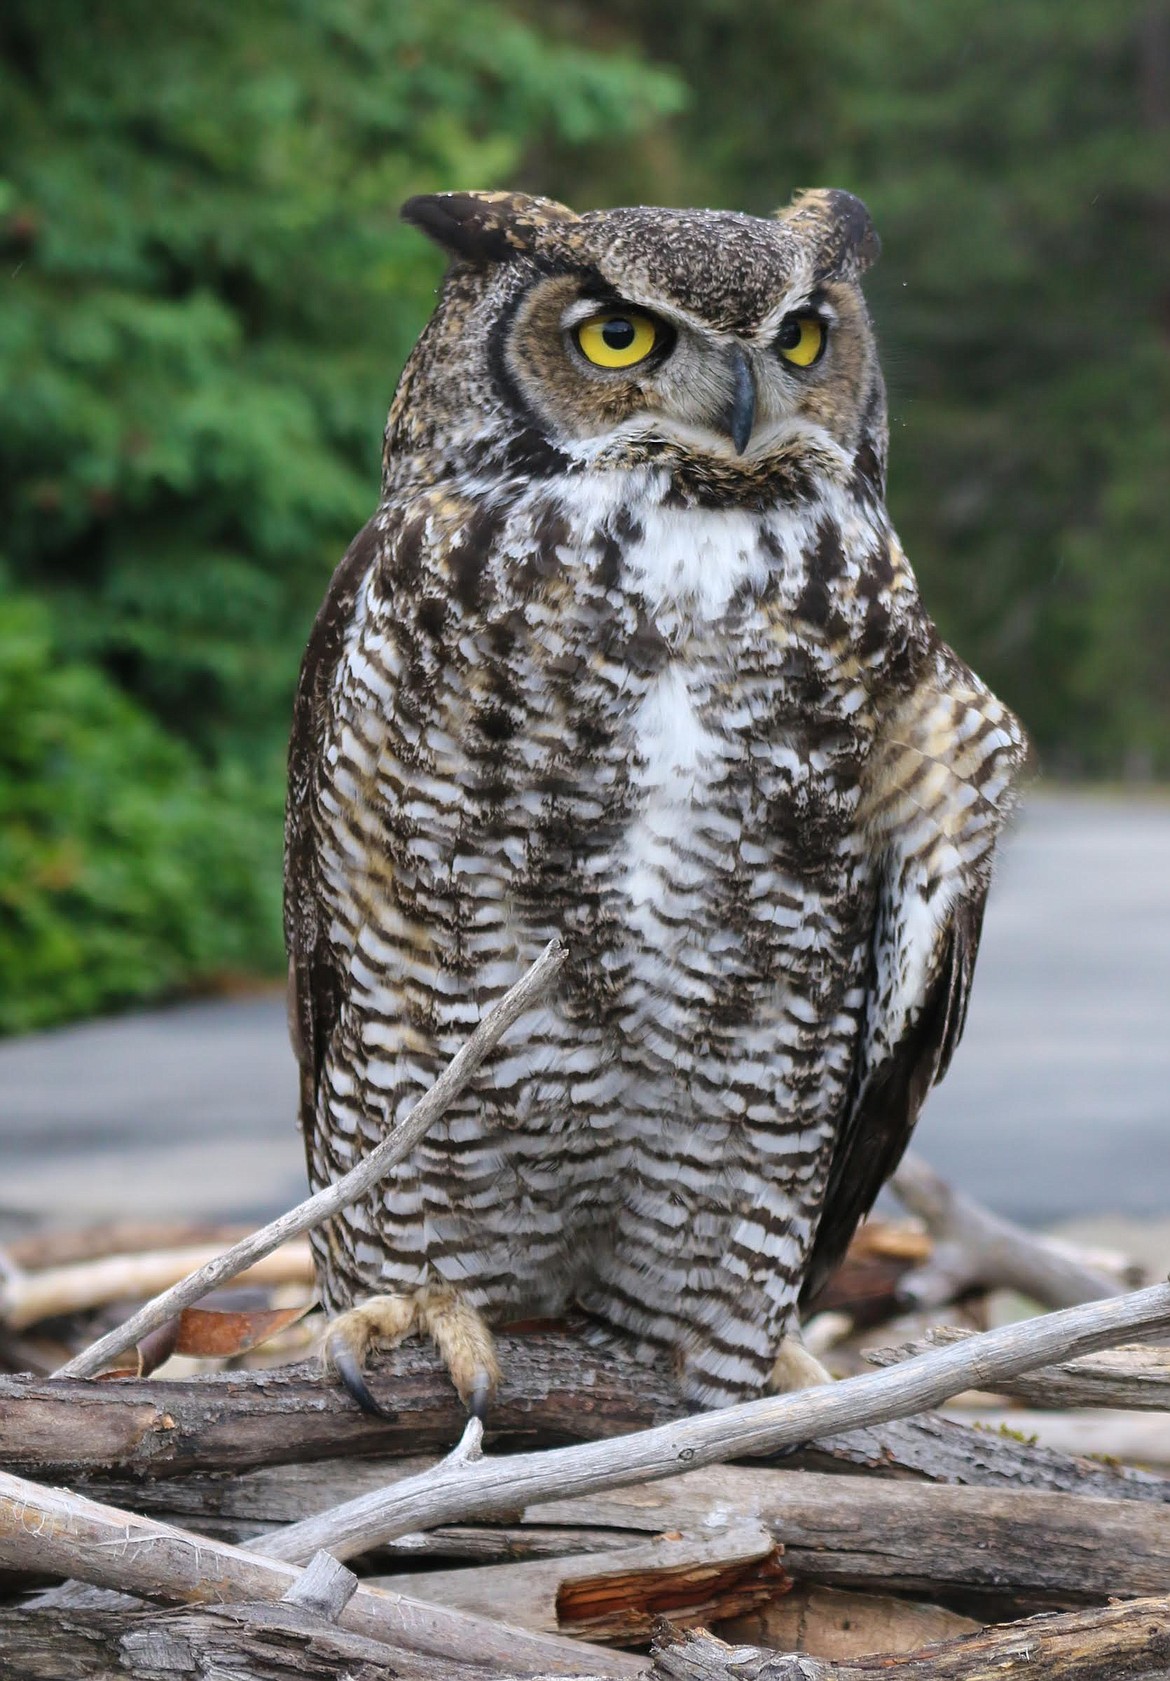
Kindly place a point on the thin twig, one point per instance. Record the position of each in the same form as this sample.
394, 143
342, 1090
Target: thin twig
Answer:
451, 1493
529, 990
1135, 1379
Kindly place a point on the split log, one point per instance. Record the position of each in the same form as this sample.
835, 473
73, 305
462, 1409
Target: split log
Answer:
621, 1596
833, 1623
55, 1531
529, 990
1118, 1643
974, 1247
978, 1550
65, 1246
1137, 1436
1135, 1378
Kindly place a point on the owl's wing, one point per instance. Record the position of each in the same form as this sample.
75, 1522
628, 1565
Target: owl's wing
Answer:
316, 982
939, 795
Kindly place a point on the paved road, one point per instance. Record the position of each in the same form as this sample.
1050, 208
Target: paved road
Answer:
1058, 1102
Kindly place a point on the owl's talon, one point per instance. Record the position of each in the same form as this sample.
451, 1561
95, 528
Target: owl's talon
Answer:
480, 1398
795, 1368
349, 1369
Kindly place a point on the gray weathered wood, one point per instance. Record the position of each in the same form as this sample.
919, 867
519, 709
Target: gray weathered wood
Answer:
1118, 1643
324, 1586
1041, 1550
974, 1246
449, 1494
56, 1532
527, 992
1135, 1378
277, 1642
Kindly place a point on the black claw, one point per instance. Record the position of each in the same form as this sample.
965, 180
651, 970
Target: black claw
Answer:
348, 1368
477, 1405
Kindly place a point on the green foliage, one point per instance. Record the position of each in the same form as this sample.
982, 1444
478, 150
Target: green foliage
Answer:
207, 300
126, 868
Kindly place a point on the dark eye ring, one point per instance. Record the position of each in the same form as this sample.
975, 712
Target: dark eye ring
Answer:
801, 340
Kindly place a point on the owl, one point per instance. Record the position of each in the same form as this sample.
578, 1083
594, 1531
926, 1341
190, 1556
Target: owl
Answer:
629, 654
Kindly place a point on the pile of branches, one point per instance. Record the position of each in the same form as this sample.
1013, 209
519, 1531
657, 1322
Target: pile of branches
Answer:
252, 1522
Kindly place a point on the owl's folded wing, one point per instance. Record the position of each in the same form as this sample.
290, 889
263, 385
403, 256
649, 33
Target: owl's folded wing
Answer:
936, 800
315, 980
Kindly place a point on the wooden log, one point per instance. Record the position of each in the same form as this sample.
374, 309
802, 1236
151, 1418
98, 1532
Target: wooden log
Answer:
1135, 1378
834, 1623
136, 1435
969, 1547
973, 1246
455, 1492
621, 1596
1117, 1643
54, 1530
265, 1642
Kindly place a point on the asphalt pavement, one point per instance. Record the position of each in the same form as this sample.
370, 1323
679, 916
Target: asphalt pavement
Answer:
1057, 1105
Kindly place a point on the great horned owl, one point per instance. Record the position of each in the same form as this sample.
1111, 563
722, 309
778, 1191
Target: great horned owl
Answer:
630, 654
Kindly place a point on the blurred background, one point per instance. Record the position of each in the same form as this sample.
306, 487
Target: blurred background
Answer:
206, 297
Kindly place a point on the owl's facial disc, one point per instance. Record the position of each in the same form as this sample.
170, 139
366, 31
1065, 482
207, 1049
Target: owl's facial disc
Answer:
599, 368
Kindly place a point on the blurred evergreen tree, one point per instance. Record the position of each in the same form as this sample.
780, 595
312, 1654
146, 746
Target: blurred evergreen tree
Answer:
207, 299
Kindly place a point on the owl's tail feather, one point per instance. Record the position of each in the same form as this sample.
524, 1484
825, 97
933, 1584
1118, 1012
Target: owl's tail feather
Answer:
457, 1330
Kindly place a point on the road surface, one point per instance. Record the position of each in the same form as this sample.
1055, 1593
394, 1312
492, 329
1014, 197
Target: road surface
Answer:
1058, 1103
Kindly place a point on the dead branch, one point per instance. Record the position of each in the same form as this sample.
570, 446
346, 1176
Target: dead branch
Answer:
1118, 1643
27, 1297
973, 1246
53, 1531
265, 1642
452, 1493
527, 992
1136, 1378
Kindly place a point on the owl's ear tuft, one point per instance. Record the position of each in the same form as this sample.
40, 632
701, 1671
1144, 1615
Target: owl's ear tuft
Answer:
841, 229
485, 227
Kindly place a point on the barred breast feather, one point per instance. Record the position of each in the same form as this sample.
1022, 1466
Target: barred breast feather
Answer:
723, 754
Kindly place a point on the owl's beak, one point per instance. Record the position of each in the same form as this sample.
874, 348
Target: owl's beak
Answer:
739, 416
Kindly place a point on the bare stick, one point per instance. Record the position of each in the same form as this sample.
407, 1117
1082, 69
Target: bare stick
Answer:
55, 1531
529, 990
975, 1246
445, 1494
29, 1297
1137, 1379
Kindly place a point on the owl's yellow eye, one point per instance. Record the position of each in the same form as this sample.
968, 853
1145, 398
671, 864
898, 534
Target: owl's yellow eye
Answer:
801, 340
617, 338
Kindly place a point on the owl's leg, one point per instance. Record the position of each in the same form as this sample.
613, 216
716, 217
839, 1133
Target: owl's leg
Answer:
795, 1367
457, 1330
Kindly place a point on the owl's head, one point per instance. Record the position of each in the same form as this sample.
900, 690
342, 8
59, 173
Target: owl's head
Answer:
731, 348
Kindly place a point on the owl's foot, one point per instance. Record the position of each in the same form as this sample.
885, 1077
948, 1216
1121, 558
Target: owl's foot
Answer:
457, 1330
795, 1368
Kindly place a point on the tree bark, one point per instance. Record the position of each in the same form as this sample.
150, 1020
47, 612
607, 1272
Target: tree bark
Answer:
1136, 1378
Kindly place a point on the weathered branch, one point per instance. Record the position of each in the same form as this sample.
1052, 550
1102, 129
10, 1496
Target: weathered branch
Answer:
1118, 1643
55, 1532
529, 990
26, 1297
975, 1246
1136, 1378
446, 1494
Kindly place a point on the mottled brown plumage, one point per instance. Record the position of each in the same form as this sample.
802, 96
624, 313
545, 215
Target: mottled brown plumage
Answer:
631, 654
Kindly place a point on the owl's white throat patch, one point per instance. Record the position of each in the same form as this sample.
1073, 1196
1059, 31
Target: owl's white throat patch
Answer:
693, 561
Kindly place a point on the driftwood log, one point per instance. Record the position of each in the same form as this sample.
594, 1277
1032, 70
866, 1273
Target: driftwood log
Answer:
1119, 1643
138, 1435
1136, 1378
